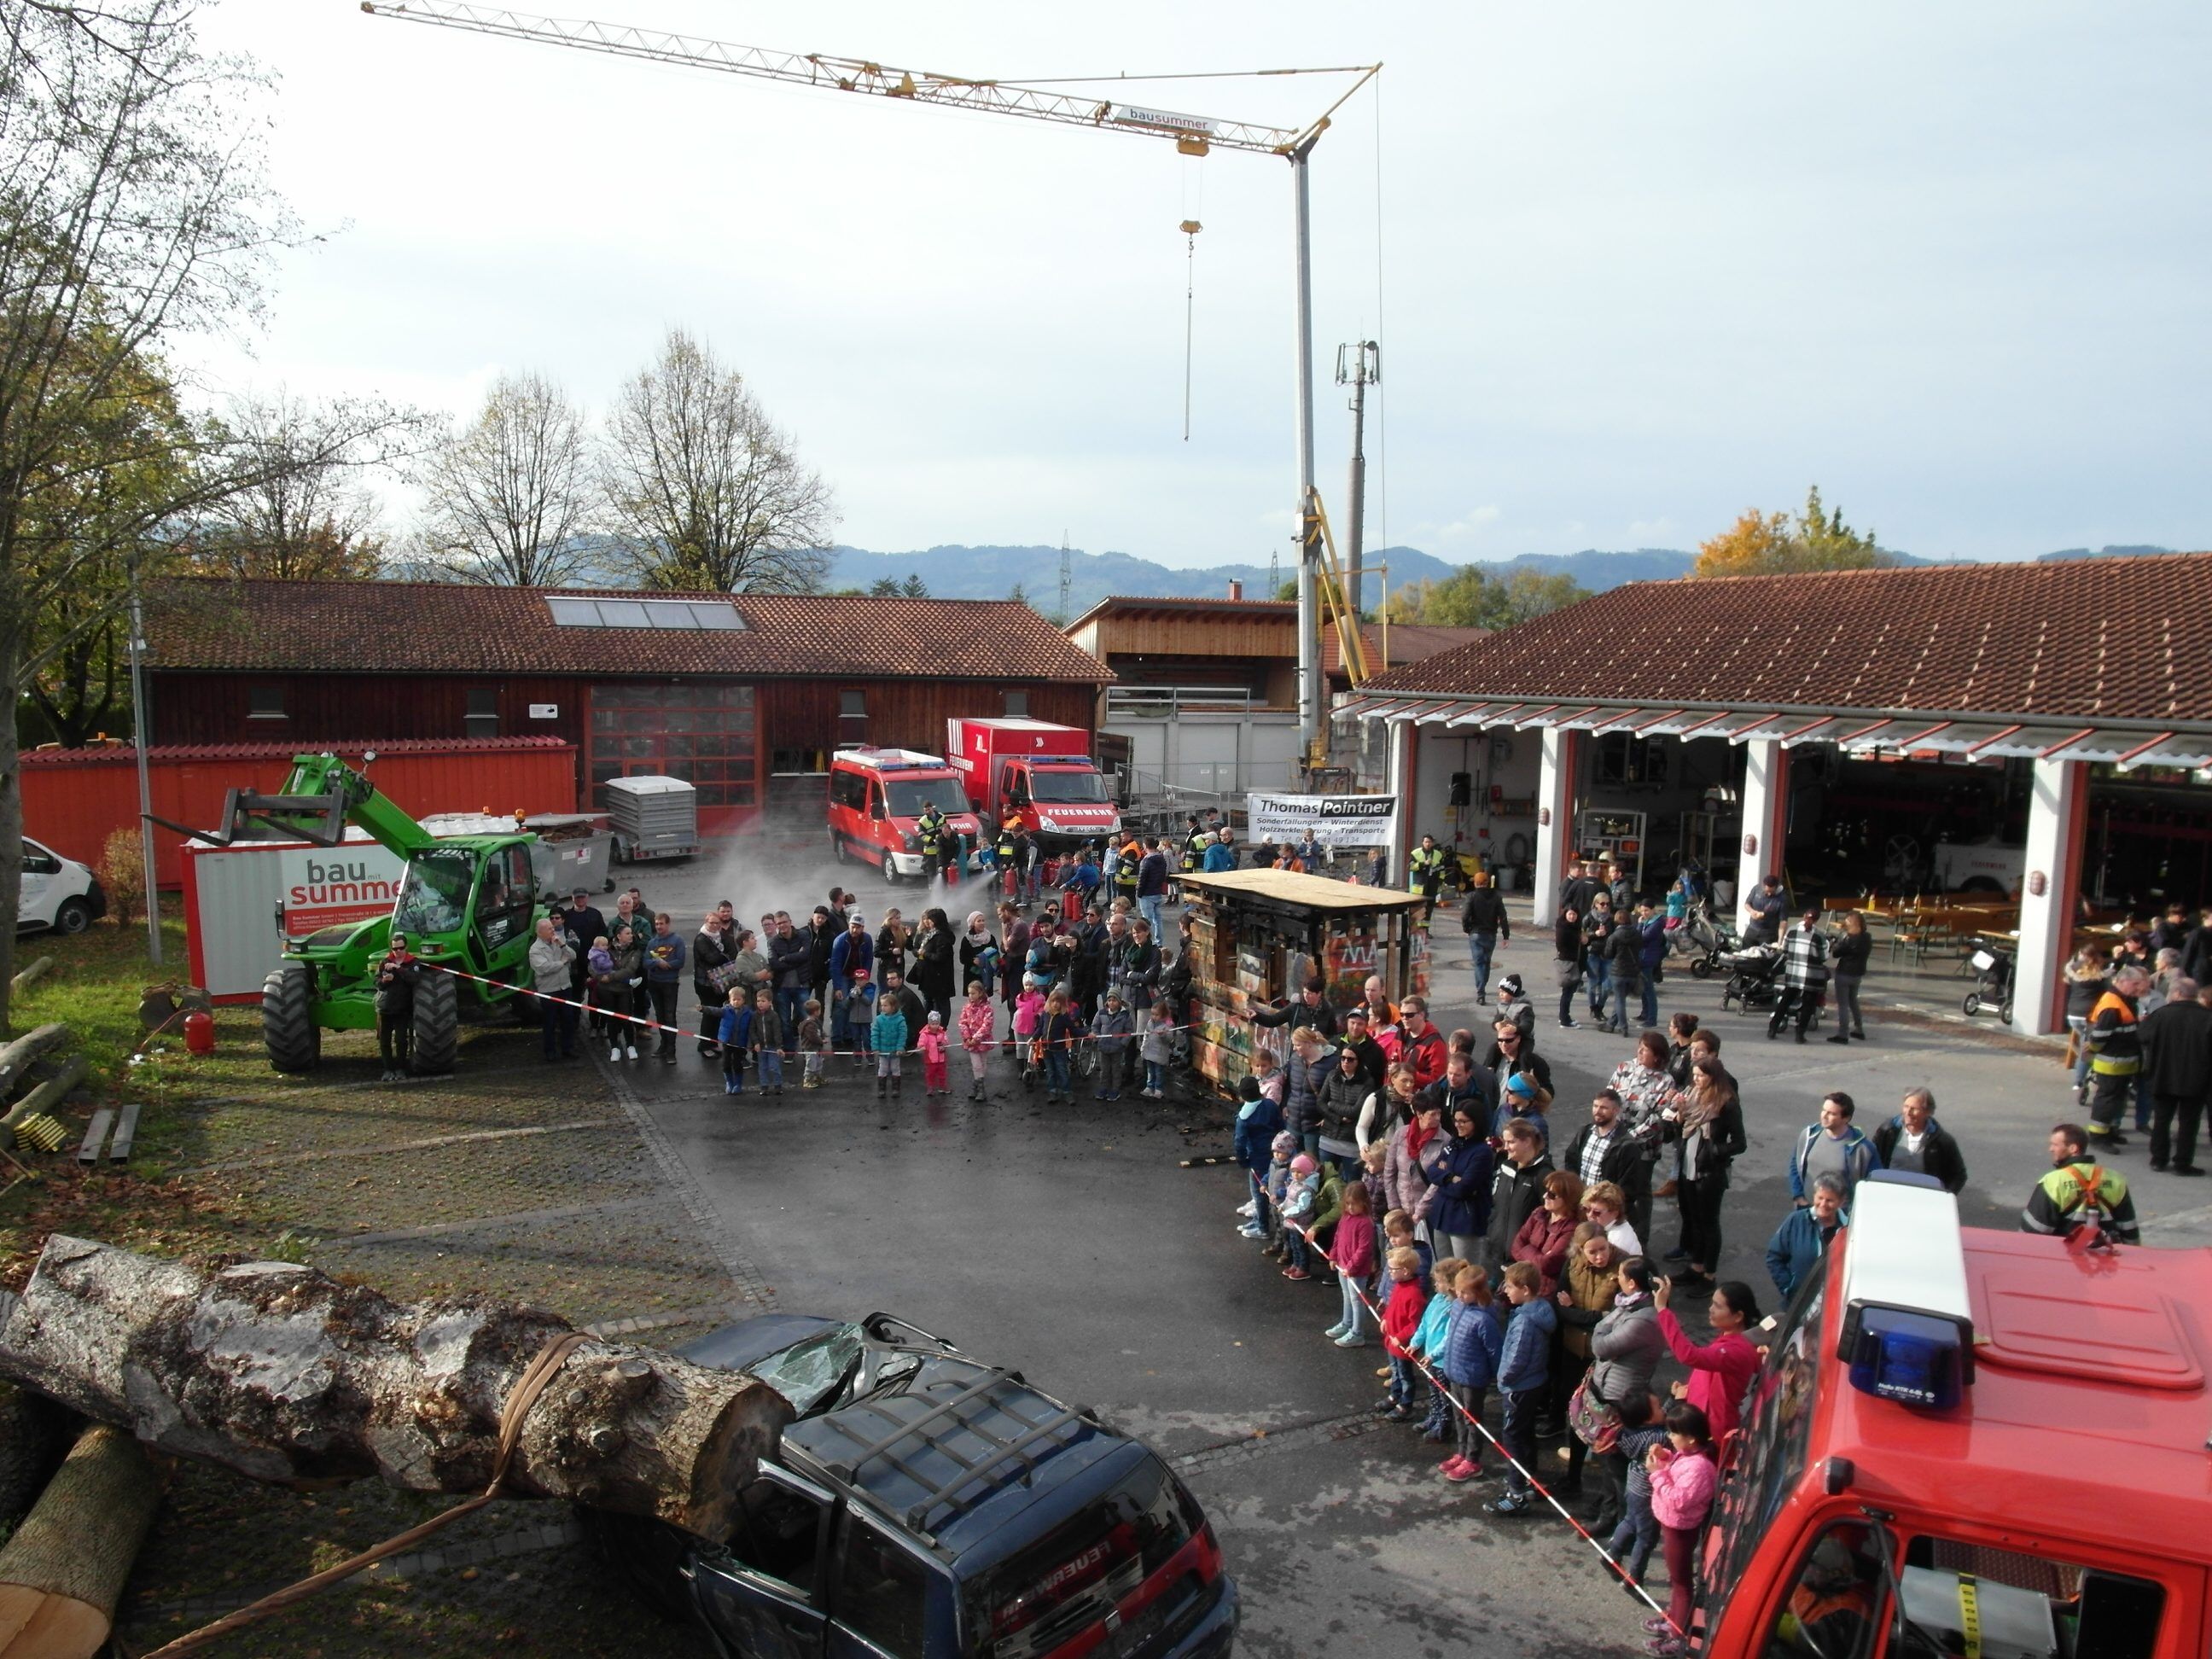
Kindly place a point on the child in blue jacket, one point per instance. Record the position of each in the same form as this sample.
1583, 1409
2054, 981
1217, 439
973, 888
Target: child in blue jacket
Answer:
1634, 1539
887, 1040
734, 1035
1427, 1345
1471, 1340
1259, 1120
1524, 1376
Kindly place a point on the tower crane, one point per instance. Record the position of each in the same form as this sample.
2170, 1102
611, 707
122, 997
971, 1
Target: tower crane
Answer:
1193, 134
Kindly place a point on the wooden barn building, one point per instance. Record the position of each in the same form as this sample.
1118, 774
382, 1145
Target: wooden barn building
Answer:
744, 695
1203, 702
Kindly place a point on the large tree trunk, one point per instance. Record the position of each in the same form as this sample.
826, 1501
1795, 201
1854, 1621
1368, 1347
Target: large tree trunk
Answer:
65, 1569
286, 1375
11, 793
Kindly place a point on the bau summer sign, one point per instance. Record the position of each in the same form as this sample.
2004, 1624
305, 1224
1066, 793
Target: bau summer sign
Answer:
325, 887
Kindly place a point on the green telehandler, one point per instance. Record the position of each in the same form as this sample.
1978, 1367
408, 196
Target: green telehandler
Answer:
467, 901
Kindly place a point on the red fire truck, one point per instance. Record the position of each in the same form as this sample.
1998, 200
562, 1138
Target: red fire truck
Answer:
1975, 1444
1033, 771
876, 797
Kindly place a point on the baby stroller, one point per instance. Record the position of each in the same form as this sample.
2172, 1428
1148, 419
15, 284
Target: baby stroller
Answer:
1993, 969
1704, 941
1754, 977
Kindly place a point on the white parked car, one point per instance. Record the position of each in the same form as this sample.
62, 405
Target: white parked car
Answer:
58, 893
1979, 866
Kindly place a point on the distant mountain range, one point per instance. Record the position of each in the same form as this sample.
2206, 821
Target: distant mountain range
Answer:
992, 572
957, 572
2099, 553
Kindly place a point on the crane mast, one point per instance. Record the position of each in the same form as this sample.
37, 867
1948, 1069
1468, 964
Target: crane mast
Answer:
1193, 135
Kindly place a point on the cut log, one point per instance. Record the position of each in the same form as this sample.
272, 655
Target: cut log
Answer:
62, 1572
50, 1094
30, 976
16, 1057
285, 1375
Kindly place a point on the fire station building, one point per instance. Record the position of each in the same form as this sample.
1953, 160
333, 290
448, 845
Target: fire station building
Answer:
2039, 730
744, 695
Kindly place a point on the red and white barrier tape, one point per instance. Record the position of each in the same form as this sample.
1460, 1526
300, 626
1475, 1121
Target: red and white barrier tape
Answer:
687, 1031
1565, 1514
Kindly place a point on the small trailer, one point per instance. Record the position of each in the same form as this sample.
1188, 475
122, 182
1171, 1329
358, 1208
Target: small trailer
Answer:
653, 817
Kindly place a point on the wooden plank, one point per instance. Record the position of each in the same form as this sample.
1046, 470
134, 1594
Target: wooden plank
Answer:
126, 1131
96, 1136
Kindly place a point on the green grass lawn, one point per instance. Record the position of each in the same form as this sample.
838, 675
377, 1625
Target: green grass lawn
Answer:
95, 988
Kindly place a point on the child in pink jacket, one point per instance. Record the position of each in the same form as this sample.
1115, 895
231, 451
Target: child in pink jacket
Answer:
934, 1042
1352, 1252
1683, 1477
977, 1023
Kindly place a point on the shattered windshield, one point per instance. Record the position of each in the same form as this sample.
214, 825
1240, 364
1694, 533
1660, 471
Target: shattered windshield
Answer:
809, 1371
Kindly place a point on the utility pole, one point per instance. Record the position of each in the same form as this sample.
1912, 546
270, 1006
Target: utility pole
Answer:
1359, 366
1067, 580
1310, 689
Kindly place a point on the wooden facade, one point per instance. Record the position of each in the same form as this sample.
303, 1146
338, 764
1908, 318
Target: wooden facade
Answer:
729, 734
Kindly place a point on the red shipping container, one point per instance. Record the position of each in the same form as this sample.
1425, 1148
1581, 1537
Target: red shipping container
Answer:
74, 799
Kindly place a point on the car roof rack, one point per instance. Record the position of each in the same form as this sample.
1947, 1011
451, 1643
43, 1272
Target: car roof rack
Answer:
918, 1513
934, 1430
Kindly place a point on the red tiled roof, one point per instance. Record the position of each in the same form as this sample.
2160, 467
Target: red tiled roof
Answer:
2093, 639
122, 754
1410, 642
431, 628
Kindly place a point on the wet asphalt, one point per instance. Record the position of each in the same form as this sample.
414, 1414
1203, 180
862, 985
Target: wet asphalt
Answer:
1070, 1244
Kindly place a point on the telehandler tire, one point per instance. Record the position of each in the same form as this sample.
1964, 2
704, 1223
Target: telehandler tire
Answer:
289, 1030
437, 1024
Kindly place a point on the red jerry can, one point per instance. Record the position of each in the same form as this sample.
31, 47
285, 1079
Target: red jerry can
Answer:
199, 1032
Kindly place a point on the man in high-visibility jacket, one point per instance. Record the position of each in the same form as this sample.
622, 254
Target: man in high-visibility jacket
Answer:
1125, 871
930, 832
1427, 868
2079, 1191
2115, 1054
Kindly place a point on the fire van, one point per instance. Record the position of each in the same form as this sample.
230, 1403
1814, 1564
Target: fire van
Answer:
876, 797
1973, 1443
1038, 773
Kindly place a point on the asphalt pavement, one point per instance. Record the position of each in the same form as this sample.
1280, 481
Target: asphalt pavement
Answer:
1070, 1244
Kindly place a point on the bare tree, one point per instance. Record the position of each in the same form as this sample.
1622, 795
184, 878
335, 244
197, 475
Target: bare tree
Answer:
510, 492
307, 515
705, 489
134, 209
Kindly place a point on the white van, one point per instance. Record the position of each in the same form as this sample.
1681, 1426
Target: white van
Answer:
58, 893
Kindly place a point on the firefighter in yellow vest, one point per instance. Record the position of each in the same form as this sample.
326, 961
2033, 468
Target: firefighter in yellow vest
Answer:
1427, 867
2115, 1054
1125, 873
1193, 845
2079, 1191
930, 832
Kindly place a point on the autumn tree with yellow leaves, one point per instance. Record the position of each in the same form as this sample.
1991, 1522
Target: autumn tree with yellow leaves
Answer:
1779, 543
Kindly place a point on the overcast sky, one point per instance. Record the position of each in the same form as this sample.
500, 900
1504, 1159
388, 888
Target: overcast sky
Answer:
1635, 268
